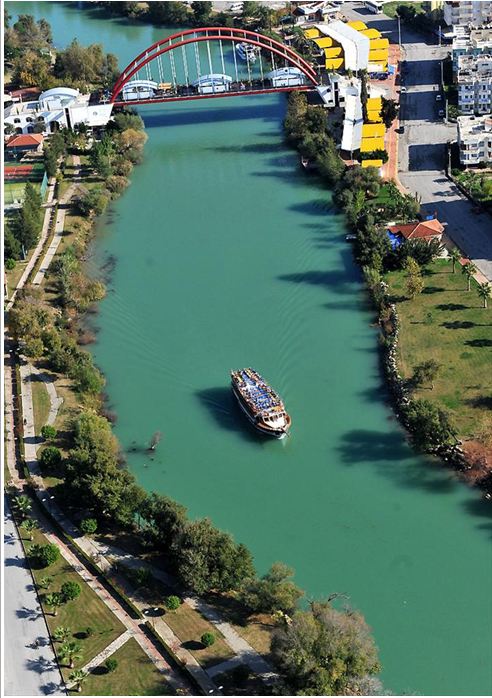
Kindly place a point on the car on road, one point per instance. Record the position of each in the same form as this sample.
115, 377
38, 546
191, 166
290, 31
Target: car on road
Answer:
441, 112
403, 88
438, 98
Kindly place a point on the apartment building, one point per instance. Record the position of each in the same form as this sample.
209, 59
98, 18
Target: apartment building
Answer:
475, 139
472, 12
474, 81
470, 42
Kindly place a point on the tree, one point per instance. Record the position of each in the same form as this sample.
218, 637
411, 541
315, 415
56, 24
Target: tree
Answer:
11, 245
23, 505
323, 651
70, 590
455, 257
88, 526
50, 458
364, 93
78, 677
415, 282
171, 13
54, 601
201, 12
48, 432
389, 111
469, 270
426, 372
111, 665
250, 9
93, 202
429, 425
207, 639
70, 651
45, 582
48, 554
164, 519
61, 633
30, 526
275, 591
172, 603
484, 291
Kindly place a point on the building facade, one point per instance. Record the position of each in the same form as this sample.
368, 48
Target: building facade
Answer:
474, 82
475, 139
470, 42
467, 12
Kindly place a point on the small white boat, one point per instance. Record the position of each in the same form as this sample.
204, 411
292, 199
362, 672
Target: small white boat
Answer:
247, 52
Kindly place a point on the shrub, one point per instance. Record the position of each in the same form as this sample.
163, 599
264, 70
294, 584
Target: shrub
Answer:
46, 555
89, 631
111, 665
48, 432
172, 603
207, 639
70, 590
9, 263
50, 457
88, 526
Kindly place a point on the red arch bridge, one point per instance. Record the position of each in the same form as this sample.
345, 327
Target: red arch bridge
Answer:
212, 62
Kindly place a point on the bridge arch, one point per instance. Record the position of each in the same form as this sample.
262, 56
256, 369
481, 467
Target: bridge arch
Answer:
227, 34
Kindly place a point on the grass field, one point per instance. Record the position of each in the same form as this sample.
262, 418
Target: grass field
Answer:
41, 404
447, 323
135, 675
14, 189
87, 611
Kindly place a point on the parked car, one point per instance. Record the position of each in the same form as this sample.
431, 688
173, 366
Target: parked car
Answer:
438, 98
441, 112
403, 88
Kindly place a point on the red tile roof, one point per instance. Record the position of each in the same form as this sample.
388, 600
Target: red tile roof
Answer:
21, 140
423, 229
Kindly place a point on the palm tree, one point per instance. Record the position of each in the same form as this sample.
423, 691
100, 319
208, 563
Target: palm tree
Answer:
484, 291
30, 525
71, 652
54, 601
455, 256
45, 582
469, 270
78, 677
23, 504
62, 634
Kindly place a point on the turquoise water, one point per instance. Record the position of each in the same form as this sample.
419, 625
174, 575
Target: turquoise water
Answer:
226, 255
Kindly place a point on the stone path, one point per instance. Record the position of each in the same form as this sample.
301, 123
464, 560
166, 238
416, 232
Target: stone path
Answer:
107, 652
39, 247
55, 400
59, 225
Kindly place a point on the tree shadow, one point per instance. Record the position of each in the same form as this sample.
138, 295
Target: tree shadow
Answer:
334, 280
428, 290
451, 306
482, 402
479, 343
192, 645
458, 325
41, 664
28, 613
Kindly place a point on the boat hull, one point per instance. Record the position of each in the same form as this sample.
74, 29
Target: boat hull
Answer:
263, 429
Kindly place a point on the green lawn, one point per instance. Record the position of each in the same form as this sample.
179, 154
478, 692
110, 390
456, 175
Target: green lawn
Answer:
478, 183
135, 675
41, 404
448, 324
389, 8
87, 610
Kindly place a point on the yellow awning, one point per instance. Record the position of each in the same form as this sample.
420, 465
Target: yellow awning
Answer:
357, 25
334, 63
378, 56
378, 44
374, 104
369, 144
312, 33
324, 41
335, 52
373, 130
372, 163
371, 33
374, 117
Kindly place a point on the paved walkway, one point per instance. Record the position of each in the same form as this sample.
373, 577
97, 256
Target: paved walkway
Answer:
107, 652
30, 664
59, 225
55, 401
39, 247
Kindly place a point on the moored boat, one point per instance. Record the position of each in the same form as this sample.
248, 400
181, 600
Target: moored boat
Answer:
260, 403
247, 52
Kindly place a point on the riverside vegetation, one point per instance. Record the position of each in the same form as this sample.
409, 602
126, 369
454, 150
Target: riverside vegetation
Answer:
319, 650
365, 199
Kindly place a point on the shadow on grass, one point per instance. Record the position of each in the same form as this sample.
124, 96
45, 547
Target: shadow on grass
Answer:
451, 306
193, 645
482, 402
458, 325
479, 343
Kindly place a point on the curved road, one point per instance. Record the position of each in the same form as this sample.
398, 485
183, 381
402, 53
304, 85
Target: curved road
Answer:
30, 665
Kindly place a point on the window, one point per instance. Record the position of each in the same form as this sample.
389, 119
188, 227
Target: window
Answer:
40, 118
29, 119
16, 121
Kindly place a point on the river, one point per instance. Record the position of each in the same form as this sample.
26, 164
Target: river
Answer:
227, 255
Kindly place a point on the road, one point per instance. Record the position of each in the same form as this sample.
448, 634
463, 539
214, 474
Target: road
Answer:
30, 665
422, 144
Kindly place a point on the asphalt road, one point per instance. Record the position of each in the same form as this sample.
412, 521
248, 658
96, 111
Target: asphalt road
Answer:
422, 144
29, 661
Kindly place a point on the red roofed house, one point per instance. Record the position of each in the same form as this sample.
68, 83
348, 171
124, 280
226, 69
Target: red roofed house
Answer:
419, 230
25, 142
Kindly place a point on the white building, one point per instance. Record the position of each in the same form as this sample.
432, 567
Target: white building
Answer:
60, 107
473, 12
307, 13
475, 84
475, 139
470, 42
355, 45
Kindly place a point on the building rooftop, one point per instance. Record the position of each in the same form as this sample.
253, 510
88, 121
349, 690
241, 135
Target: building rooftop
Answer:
474, 125
418, 229
23, 140
473, 68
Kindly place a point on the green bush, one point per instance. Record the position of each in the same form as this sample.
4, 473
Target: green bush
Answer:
88, 526
50, 457
48, 432
207, 639
70, 590
111, 665
9, 263
46, 555
172, 603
